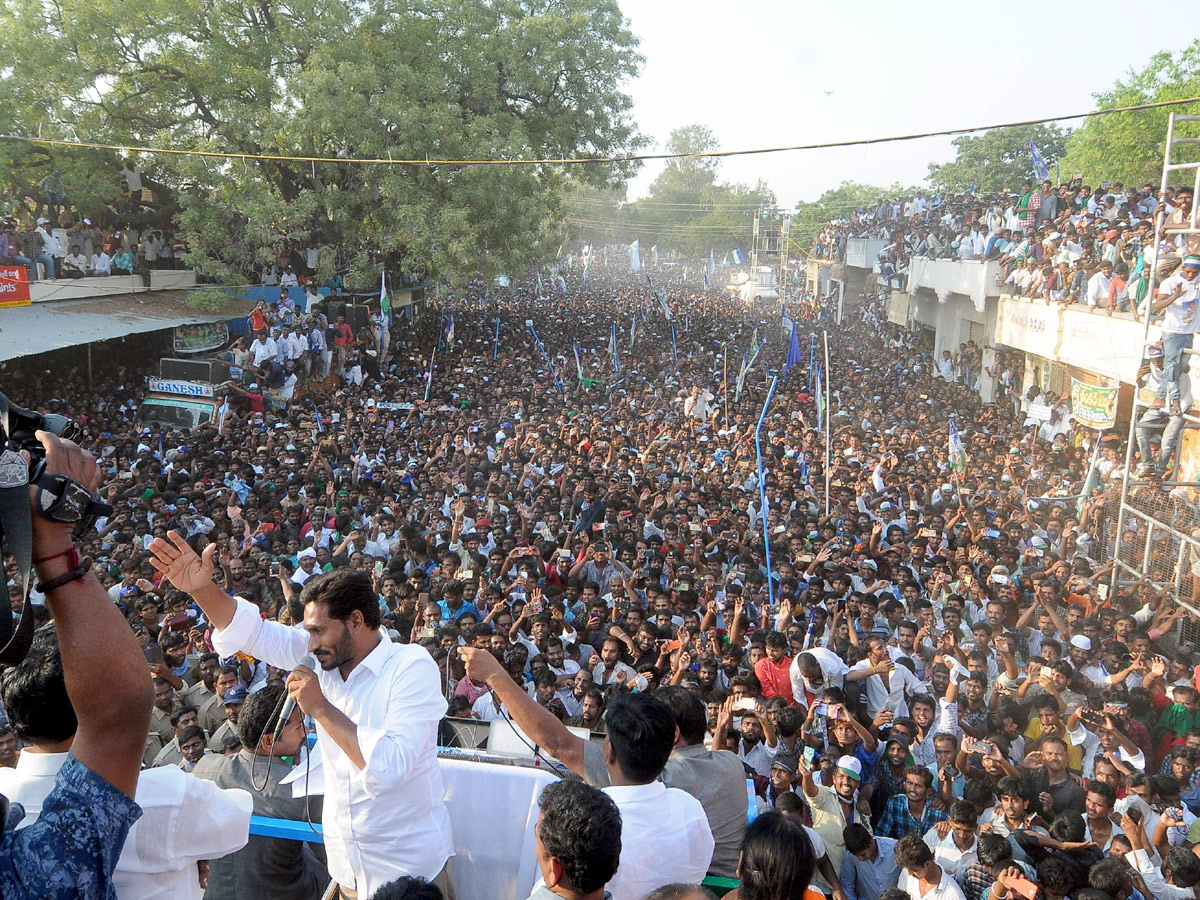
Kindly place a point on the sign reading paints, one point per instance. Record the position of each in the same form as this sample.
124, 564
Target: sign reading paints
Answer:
179, 388
1095, 407
14, 286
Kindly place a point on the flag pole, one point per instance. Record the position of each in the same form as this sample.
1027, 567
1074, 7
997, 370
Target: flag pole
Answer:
762, 491
429, 379
726, 355
828, 425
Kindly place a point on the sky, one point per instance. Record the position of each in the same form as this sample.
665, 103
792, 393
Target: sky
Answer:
756, 73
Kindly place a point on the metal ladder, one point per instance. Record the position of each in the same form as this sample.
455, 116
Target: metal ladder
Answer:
1129, 505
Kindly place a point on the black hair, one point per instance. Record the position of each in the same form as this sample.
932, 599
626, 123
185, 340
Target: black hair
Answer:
258, 714
344, 590
1068, 826
192, 731
1045, 701
789, 803
921, 772
963, 813
1109, 875
1105, 790
1057, 876
992, 849
777, 640
690, 715
1183, 865
641, 730
180, 713
789, 721
777, 859
35, 693
408, 887
1010, 786
912, 851
978, 792
1164, 786
856, 837
581, 828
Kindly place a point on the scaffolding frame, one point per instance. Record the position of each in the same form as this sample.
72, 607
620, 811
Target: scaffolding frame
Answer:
1144, 502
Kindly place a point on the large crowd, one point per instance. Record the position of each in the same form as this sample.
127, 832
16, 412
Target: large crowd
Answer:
929, 689
1068, 243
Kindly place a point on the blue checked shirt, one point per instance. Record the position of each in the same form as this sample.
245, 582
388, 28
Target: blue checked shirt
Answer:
898, 820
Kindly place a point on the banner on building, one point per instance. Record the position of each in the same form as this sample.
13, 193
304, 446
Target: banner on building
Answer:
198, 338
14, 286
898, 308
1095, 407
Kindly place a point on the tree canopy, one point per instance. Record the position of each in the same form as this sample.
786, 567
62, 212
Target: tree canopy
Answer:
999, 160
687, 209
1129, 146
377, 79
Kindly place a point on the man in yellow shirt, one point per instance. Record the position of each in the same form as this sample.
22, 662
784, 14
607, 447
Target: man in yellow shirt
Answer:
1049, 723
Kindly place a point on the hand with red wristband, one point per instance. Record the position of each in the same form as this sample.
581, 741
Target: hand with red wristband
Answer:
56, 560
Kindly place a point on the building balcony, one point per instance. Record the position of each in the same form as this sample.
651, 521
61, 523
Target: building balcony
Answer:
971, 278
863, 253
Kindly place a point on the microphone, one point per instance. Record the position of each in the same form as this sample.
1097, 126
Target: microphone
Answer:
289, 704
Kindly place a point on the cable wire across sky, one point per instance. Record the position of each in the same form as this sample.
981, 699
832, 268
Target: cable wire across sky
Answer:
580, 160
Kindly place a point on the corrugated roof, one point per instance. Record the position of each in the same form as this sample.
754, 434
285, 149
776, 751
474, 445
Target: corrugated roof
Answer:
26, 330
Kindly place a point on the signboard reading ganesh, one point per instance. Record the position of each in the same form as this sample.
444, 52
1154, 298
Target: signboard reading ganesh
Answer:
179, 388
14, 286
1092, 406
201, 337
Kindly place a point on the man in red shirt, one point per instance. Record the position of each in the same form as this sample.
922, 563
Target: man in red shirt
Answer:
342, 336
254, 400
774, 668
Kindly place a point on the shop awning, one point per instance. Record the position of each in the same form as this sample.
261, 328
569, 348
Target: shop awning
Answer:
27, 330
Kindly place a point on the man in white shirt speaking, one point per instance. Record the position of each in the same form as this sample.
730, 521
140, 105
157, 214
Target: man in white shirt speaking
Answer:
377, 706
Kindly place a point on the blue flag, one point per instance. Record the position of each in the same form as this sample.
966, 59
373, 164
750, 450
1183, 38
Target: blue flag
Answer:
738, 256
793, 354
635, 257
1039, 167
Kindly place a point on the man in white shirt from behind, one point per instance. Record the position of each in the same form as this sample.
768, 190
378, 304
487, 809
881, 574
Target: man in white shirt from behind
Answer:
665, 835
377, 706
184, 820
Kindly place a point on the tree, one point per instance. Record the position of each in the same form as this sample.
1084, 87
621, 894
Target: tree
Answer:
688, 177
841, 201
1129, 146
687, 209
999, 160
376, 79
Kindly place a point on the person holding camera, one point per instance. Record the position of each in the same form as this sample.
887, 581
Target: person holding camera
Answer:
73, 847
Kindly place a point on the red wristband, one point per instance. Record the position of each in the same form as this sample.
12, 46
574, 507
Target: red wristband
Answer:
71, 563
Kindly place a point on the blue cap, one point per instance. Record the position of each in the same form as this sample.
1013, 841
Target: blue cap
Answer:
235, 695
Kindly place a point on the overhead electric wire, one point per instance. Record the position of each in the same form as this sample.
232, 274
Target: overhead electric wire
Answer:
582, 160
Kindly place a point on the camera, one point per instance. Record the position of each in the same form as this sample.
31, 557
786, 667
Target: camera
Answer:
18, 429
19, 425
